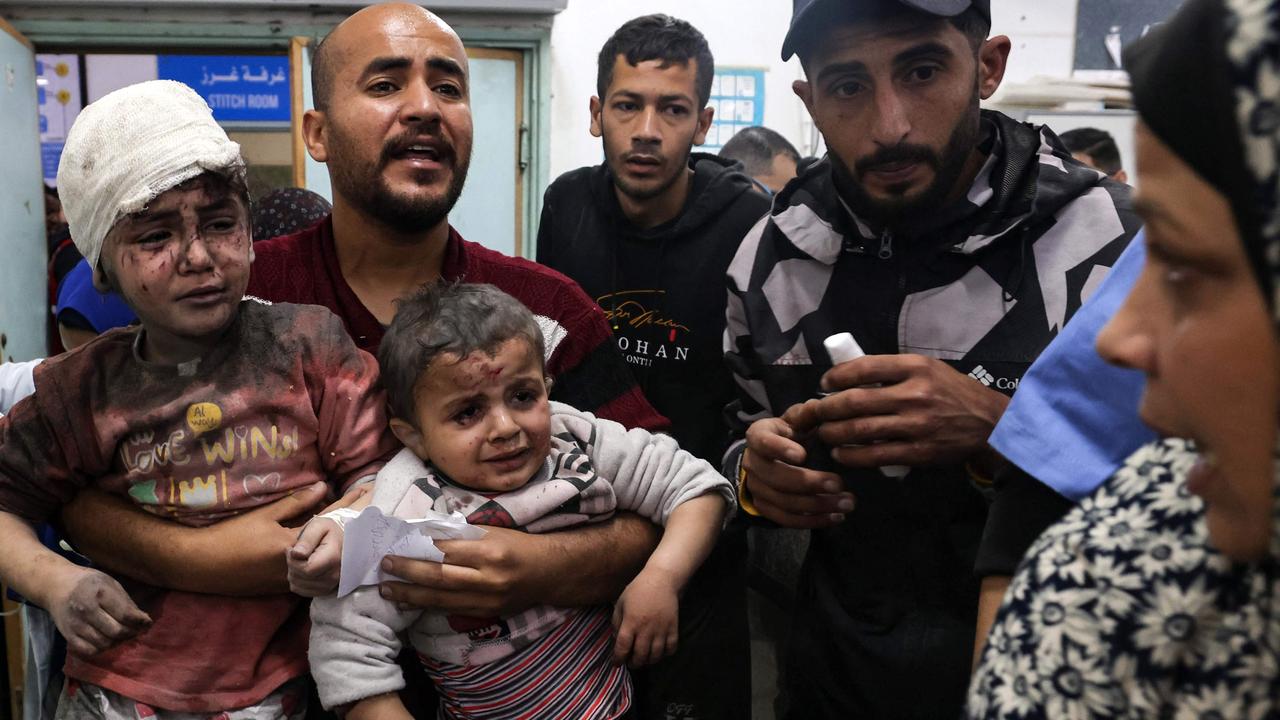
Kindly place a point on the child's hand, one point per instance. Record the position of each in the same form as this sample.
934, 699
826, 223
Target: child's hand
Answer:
315, 560
645, 618
92, 610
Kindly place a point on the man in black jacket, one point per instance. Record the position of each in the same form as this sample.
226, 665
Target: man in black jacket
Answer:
649, 234
954, 244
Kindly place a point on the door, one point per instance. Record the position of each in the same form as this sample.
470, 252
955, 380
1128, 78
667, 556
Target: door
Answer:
23, 272
490, 211
307, 173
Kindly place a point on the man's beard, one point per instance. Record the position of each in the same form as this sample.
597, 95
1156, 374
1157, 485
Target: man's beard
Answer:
365, 186
947, 168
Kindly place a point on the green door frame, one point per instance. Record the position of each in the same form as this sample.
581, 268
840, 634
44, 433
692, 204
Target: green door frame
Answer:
81, 36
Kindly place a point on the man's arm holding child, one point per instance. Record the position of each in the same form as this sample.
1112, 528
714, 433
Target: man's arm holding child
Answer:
507, 571
244, 555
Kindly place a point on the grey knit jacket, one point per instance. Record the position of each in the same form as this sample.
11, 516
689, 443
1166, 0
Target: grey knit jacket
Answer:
595, 466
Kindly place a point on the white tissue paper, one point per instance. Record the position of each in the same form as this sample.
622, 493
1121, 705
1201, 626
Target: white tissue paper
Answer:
371, 536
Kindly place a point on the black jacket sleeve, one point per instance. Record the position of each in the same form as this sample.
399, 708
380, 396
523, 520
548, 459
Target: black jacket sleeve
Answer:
544, 251
1023, 508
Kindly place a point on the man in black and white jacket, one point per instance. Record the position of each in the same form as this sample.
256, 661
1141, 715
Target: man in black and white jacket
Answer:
954, 244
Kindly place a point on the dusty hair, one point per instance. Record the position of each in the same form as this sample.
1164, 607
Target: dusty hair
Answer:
446, 318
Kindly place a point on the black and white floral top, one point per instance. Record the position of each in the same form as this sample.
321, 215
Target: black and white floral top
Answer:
1122, 609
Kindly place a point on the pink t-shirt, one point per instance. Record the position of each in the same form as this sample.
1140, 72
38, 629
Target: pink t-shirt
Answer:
284, 400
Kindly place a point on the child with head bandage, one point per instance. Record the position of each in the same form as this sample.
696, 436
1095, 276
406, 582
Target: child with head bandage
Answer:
214, 404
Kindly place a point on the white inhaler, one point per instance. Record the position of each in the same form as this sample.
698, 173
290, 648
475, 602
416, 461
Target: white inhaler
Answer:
842, 348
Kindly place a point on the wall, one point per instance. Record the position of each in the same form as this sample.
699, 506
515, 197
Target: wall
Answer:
1043, 34
23, 290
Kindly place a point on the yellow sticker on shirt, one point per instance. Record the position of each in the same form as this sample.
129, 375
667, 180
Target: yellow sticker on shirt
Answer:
204, 417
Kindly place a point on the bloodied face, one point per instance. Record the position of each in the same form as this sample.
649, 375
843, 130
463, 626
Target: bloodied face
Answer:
182, 264
484, 420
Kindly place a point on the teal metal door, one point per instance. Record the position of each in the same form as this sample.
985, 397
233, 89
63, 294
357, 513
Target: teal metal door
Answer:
23, 253
489, 211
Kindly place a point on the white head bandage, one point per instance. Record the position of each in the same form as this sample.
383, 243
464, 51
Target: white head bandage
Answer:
131, 145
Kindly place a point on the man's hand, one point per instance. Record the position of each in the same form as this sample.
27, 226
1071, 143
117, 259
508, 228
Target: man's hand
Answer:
243, 555
646, 619
271, 528
92, 610
507, 571
784, 492
498, 574
923, 413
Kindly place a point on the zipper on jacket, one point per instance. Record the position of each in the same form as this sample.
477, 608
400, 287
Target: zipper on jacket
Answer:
886, 246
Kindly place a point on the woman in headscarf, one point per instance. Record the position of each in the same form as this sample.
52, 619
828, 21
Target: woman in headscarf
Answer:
285, 211
1159, 595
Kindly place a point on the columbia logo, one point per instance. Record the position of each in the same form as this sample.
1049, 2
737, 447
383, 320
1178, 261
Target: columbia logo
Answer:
980, 374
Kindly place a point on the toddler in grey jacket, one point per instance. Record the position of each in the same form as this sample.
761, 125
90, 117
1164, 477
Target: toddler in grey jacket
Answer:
463, 368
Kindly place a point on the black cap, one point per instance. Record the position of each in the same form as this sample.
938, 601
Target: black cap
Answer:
806, 10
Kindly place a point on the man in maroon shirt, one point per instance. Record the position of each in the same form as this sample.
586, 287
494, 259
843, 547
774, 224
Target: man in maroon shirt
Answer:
393, 123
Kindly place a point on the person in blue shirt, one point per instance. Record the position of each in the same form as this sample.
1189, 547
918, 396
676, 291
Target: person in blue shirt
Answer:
1070, 425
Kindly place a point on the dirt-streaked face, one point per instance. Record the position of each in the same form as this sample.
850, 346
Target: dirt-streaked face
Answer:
182, 264
483, 420
1197, 325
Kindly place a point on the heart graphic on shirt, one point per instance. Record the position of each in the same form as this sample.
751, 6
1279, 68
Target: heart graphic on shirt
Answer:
261, 484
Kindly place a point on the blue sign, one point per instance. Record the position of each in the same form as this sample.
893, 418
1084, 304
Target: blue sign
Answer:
50, 156
239, 88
